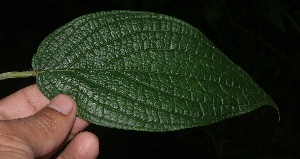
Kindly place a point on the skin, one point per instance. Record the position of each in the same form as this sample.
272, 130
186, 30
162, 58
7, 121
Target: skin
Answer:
31, 126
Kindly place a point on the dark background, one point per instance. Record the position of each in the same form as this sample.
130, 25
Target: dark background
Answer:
261, 36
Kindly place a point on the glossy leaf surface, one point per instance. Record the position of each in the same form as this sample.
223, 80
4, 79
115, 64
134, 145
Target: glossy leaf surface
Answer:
143, 71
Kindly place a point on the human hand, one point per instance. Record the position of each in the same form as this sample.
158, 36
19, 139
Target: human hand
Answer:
31, 126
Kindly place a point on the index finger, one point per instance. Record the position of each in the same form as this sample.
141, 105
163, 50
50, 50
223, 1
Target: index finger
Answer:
22, 103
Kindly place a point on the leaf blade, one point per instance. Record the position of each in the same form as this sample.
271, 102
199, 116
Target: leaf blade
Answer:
143, 71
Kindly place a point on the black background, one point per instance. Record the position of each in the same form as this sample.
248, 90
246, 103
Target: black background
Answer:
261, 36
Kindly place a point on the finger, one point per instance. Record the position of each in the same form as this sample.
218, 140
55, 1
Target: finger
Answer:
84, 145
78, 126
22, 103
28, 101
48, 128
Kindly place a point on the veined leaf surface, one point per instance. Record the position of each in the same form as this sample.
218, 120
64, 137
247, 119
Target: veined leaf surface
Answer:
143, 71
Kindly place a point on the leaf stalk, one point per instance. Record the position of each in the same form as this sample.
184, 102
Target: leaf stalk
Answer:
23, 74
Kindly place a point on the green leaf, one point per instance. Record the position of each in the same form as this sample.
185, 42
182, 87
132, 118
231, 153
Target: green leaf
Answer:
143, 71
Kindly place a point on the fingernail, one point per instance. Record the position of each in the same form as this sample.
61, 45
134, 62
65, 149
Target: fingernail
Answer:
62, 103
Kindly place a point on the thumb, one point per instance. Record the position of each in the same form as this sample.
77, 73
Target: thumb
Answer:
46, 130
